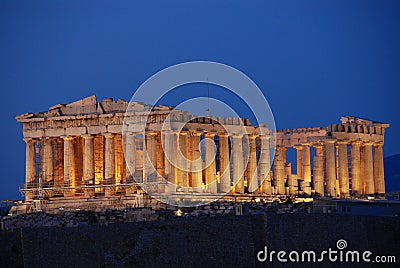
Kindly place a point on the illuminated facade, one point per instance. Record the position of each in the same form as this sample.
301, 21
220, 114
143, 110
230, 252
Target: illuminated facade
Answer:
79, 151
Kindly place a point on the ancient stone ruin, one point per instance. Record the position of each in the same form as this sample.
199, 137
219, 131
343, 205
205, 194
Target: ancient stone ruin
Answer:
87, 150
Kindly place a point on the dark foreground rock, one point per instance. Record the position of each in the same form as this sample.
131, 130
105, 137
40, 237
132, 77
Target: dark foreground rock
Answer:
229, 241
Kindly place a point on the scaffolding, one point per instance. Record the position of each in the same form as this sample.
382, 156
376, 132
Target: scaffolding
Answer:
43, 191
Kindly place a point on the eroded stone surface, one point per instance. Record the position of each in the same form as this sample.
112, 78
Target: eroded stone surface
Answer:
80, 151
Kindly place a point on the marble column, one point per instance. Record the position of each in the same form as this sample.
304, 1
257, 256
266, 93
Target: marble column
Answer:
306, 168
160, 164
289, 178
319, 170
211, 179
88, 159
48, 162
356, 182
279, 171
130, 158
69, 166
150, 158
264, 166
109, 164
299, 162
224, 163
183, 177
30, 167
252, 181
237, 163
169, 144
58, 164
368, 169
379, 177
120, 163
174, 149
343, 169
362, 169
330, 167
190, 159
197, 163
109, 159
69, 161
168, 154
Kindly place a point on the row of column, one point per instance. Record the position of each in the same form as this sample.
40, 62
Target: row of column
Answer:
197, 176
332, 170
69, 174
331, 174
367, 173
200, 176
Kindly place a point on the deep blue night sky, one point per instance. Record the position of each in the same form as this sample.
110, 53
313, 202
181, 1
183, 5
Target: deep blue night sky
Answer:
314, 60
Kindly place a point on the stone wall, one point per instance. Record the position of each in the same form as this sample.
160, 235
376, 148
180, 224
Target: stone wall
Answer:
230, 241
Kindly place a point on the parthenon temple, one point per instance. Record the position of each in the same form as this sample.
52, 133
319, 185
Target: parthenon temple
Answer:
82, 150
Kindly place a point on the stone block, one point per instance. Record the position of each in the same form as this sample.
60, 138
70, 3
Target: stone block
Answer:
33, 133
114, 128
75, 131
96, 129
54, 132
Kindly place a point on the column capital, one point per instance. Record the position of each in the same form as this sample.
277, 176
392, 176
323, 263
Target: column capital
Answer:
108, 135
151, 133
281, 148
318, 145
210, 134
298, 147
251, 136
183, 133
28, 139
378, 144
356, 142
87, 136
129, 133
330, 141
264, 137
306, 144
342, 142
368, 143
195, 133
237, 135
67, 138
223, 134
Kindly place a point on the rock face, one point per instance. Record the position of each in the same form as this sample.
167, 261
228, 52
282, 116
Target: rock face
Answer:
230, 241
